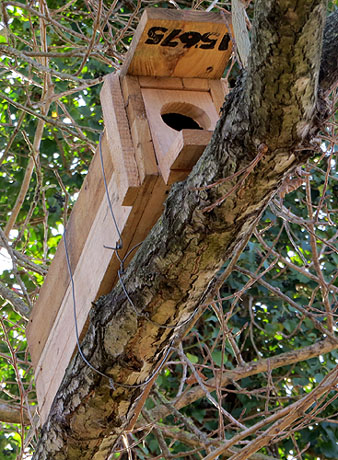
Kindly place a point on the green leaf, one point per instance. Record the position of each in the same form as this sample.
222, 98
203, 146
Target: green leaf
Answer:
192, 358
217, 357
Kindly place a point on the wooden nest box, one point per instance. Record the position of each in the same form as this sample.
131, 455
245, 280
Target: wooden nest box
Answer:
159, 115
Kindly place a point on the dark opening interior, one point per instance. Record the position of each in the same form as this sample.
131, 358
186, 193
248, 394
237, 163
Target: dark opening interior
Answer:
178, 122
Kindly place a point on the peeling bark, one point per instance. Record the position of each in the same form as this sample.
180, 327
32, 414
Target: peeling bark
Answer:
328, 75
273, 109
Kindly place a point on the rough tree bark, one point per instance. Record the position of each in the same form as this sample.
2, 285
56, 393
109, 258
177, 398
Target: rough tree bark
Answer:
272, 116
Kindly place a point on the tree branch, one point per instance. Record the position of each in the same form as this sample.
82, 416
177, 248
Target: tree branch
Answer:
319, 326
9, 51
240, 372
11, 413
17, 303
192, 440
283, 419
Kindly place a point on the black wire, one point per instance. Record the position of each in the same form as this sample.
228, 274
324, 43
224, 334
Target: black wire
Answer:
120, 243
74, 310
131, 250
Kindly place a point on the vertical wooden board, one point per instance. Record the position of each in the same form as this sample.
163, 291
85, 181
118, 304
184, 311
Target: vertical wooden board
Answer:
179, 43
144, 149
53, 362
225, 84
41, 392
57, 280
147, 209
119, 139
128, 234
151, 213
195, 104
139, 127
90, 271
218, 91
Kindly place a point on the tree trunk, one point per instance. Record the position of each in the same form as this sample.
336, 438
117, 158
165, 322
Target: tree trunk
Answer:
267, 126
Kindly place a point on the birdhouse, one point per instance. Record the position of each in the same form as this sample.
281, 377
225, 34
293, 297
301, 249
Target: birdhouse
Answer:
159, 114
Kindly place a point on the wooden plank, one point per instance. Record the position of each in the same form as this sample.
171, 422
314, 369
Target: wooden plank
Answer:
95, 275
218, 91
184, 153
241, 33
179, 43
195, 104
193, 84
119, 139
139, 127
145, 212
90, 270
82, 217
135, 217
152, 211
161, 82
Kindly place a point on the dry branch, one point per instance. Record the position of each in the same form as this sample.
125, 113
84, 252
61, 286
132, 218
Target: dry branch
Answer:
17, 303
283, 419
12, 413
240, 372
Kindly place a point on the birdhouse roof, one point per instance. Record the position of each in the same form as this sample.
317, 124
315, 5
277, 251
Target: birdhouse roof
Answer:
179, 43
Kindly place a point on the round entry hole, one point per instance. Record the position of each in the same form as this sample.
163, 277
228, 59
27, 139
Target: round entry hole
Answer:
178, 121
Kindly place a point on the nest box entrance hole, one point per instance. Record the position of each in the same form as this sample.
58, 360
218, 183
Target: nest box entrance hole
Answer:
177, 121
180, 115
